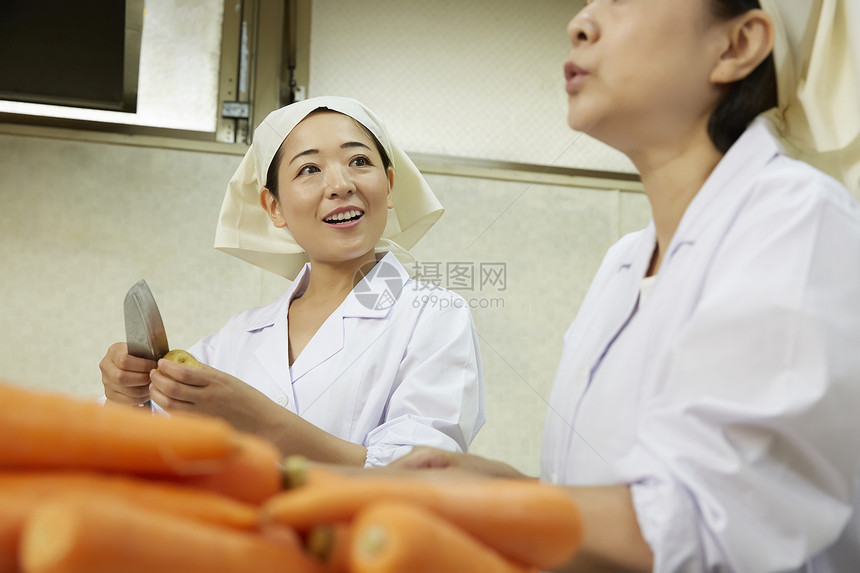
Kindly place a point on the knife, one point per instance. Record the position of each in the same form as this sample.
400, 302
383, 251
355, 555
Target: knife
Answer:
144, 330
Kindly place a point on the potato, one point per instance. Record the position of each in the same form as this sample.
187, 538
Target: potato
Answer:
182, 357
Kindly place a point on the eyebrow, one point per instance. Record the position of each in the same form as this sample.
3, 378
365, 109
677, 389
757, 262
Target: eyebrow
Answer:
346, 145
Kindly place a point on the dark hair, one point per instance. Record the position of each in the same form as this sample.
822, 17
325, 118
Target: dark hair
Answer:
745, 98
275, 165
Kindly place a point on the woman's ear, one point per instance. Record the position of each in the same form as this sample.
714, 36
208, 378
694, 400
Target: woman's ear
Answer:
749, 41
272, 208
390, 187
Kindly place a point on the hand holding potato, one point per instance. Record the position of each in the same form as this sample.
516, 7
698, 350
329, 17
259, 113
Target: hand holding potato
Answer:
181, 383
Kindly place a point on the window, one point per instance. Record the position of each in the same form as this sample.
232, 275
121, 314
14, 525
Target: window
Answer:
207, 68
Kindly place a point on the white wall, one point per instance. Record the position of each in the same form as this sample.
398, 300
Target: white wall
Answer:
476, 78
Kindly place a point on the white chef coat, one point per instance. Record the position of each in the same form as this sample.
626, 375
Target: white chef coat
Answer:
397, 364
729, 402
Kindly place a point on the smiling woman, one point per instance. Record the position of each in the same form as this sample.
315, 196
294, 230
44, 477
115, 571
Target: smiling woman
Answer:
334, 191
351, 364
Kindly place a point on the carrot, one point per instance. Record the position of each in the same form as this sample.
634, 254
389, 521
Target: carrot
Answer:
87, 535
392, 537
252, 474
330, 544
529, 522
281, 534
35, 487
22, 492
52, 431
13, 512
299, 472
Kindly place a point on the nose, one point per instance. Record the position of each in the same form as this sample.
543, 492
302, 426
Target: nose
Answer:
338, 183
583, 28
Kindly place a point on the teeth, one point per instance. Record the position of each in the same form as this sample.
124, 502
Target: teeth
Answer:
352, 213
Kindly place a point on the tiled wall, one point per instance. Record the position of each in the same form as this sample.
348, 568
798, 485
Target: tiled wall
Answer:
81, 222
480, 78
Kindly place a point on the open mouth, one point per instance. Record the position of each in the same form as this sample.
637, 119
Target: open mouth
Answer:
572, 71
344, 217
574, 77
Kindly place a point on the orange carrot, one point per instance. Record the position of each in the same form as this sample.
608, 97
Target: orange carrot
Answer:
52, 431
529, 522
252, 474
282, 535
87, 535
22, 492
36, 487
299, 472
13, 512
395, 537
330, 544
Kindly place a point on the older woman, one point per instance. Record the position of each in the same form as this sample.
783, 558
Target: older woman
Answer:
353, 364
704, 410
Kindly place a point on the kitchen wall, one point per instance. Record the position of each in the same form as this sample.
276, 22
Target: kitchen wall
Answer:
481, 78
81, 221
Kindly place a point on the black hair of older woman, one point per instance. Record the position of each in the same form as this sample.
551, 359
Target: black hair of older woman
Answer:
747, 98
275, 165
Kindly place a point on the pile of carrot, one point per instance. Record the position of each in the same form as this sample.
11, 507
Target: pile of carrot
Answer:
86, 488
393, 524
89, 488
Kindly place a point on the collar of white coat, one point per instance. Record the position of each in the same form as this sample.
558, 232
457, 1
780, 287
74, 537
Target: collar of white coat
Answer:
377, 292
758, 145
372, 297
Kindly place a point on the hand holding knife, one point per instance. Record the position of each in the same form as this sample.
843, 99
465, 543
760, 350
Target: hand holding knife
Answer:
144, 329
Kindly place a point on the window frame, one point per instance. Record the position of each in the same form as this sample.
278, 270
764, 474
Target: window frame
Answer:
253, 71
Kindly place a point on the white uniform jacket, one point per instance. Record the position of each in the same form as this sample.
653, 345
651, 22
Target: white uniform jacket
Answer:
392, 367
729, 400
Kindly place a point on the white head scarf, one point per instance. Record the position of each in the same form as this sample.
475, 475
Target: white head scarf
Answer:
244, 229
817, 57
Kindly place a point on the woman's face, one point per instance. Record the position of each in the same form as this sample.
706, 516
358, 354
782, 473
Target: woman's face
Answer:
334, 193
639, 69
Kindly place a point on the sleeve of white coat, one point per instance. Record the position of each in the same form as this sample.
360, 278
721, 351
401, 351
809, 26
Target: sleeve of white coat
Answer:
438, 399
746, 460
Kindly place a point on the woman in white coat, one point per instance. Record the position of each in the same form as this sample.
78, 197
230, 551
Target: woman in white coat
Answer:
355, 363
704, 413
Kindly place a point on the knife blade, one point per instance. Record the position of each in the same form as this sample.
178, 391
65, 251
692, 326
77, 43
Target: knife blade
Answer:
144, 329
